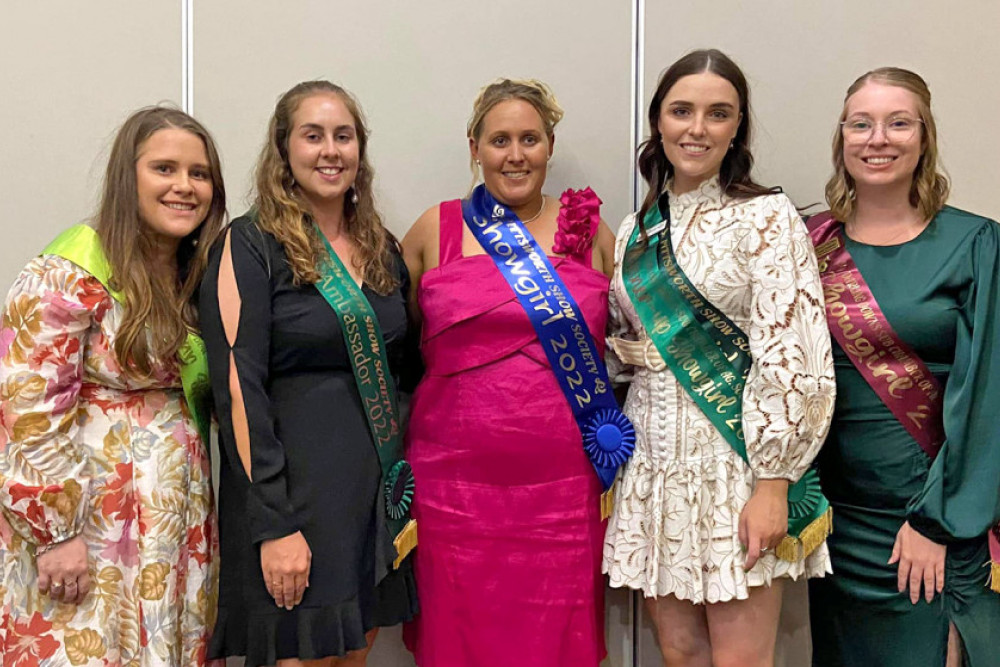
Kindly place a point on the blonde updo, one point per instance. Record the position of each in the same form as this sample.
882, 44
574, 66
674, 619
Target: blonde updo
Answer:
532, 91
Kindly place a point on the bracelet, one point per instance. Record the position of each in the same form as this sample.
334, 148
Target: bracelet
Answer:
43, 549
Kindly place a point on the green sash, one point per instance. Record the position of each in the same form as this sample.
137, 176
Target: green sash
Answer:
709, 355
366, 349
81, 245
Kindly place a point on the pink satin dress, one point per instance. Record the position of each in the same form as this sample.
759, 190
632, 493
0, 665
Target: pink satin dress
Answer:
507, 503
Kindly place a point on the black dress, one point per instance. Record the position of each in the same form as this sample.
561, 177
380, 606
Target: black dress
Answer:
314, 465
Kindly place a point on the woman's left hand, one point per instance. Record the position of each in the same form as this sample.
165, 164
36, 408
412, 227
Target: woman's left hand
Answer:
764, 519
920, 560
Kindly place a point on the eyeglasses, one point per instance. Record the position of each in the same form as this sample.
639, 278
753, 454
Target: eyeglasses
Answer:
896, 129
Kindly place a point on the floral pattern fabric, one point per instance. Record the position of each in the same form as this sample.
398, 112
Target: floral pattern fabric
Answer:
674, 530
86, 451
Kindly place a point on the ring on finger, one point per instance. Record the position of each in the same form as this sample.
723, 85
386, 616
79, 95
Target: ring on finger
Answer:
764, 550
57, 586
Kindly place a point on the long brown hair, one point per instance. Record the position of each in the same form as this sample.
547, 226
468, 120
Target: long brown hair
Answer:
284, 213
930, 187
735, 172
158, 312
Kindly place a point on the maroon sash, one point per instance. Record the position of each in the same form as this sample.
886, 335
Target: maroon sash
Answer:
888, 365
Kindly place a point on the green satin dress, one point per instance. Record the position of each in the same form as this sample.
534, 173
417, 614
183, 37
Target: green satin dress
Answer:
941, 293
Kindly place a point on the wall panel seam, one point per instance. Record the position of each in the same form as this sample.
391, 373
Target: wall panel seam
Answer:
187, 56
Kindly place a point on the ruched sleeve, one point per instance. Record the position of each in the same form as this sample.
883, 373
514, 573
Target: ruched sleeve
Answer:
44, 479
789, 397
961, 497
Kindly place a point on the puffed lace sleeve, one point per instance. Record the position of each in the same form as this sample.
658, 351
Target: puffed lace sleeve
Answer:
618, 325
44, 483
789, 397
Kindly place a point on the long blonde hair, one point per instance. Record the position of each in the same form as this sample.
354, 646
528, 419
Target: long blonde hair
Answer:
532, 91
158, 312
930, 187
283, 212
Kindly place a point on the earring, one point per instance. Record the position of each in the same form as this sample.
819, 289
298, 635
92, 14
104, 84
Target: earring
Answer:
478, 163
354, 195
732, 144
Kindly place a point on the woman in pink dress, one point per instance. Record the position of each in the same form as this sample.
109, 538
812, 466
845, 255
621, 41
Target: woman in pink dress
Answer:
507, 502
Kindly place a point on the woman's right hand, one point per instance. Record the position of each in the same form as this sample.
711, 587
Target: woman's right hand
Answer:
62, 571
285, 563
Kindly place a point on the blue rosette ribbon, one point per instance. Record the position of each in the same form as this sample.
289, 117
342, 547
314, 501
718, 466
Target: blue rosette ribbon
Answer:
399, 488
608, 438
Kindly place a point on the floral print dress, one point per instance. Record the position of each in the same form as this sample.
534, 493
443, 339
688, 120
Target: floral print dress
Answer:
86, 451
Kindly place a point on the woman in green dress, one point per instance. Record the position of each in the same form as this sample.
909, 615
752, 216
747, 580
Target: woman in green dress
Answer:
912, 463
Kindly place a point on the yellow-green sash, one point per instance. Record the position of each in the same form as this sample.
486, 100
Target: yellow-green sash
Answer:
81, 245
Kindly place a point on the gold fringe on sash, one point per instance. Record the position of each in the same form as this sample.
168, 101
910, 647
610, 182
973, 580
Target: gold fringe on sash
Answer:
405, 542
794, 549
608, 502
994, 582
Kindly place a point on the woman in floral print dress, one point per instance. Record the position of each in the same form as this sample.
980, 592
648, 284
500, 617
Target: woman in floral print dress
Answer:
107, 547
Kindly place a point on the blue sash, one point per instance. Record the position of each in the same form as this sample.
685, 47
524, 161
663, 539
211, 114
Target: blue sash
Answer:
608, 437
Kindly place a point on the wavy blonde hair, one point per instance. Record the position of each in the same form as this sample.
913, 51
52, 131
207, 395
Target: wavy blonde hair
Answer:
158, 312
532, 91
283, 212
930, 187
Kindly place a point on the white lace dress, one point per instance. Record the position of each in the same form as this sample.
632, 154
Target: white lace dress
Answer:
674, 530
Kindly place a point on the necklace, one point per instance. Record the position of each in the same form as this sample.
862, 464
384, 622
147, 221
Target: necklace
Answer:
535, 216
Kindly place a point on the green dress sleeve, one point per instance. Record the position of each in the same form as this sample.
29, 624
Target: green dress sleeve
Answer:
961, 497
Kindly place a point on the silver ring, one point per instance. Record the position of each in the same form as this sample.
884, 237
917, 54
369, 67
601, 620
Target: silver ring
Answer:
57, 586
764, 550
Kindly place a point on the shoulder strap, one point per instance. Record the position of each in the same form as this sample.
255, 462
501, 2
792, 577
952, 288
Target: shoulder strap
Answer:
450, 231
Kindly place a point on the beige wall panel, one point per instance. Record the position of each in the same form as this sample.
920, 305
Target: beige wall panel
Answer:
70, 73
800, 57
416, 68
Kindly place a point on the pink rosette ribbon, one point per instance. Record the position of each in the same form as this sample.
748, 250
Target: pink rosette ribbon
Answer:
579, 216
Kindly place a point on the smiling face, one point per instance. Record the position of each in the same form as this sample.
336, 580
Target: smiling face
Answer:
174, 183
323, 149
699, 116
884, 158
513, 151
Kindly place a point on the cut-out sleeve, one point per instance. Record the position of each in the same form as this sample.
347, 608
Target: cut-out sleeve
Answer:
239, 287
789, 397
44, 478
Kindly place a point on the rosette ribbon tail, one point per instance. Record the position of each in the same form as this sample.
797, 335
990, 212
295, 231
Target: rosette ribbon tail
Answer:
810, 519
608, 440
994, 540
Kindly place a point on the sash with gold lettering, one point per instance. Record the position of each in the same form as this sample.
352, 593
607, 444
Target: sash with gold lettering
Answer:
81, 245
709, 355
608, 436
366, 349
897, 375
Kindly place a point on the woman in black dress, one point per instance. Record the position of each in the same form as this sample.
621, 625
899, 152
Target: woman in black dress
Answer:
307, 558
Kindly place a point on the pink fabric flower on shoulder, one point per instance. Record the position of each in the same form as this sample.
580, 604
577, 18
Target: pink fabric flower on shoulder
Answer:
579, 216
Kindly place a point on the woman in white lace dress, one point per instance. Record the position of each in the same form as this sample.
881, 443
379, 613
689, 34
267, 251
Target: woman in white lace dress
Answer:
696, 526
